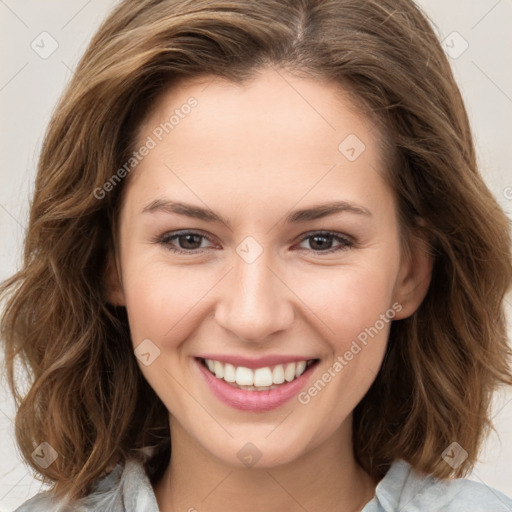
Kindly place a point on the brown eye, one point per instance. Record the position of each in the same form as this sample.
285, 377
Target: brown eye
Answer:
189, 241
183, 242
321, 242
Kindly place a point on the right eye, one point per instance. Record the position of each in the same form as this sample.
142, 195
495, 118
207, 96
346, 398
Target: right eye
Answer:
188, 242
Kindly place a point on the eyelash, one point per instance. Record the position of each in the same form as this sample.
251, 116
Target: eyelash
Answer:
166, 239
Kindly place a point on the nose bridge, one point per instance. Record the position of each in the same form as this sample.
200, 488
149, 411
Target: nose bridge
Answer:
254, 303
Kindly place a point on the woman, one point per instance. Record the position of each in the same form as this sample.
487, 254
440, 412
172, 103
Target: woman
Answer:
259, 237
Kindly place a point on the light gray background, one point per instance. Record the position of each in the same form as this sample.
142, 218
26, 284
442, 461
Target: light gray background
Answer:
30, 86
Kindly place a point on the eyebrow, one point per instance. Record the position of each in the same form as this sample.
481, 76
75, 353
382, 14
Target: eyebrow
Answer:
297, 216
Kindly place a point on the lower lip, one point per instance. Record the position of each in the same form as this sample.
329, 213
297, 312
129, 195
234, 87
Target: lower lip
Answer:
257, 401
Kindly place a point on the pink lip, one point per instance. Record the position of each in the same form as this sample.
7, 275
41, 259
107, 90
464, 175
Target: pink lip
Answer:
260, 362
256, 401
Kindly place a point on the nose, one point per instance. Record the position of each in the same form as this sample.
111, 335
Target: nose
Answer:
255, 302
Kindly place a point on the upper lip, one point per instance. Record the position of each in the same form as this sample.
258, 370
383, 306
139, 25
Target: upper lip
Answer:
253, 362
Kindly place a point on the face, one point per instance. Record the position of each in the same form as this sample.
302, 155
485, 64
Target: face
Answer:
258, 237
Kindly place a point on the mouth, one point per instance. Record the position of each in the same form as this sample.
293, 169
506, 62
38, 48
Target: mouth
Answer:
259, 388
257, 379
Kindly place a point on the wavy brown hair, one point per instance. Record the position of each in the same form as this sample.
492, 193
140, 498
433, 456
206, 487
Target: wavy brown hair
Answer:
86, 394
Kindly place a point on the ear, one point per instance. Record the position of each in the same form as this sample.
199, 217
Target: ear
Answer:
414, 276
112, 283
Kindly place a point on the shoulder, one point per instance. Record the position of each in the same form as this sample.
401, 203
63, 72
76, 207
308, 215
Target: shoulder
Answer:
41, 501
126, 489
405, 489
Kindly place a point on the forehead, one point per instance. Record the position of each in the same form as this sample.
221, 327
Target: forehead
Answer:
270, 91
277, 136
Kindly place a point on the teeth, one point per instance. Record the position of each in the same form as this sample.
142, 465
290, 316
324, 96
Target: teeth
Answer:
263, 377
299, 368
260, 379
278, 374
289, 372
229, 373
244, 376
218, 368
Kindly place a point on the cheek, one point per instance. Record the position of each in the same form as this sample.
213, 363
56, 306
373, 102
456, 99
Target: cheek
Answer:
160, 298
165, 302
348, 302
355, 312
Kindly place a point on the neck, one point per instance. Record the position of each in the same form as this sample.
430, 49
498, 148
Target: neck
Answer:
327, 477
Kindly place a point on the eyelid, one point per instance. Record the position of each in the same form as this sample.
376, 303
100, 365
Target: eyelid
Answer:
334, 234
161, 239
346, 240
340, 237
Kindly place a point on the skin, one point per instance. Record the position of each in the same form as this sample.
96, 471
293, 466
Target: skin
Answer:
252, 153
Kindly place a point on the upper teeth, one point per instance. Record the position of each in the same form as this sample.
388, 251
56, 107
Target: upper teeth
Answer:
260, 377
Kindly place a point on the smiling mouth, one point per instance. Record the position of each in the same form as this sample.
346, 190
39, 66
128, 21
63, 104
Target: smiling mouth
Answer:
258, 379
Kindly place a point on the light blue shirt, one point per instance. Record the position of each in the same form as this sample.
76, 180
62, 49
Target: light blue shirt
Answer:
128, 489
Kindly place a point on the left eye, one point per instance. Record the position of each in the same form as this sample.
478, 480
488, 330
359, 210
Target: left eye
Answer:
324, 239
